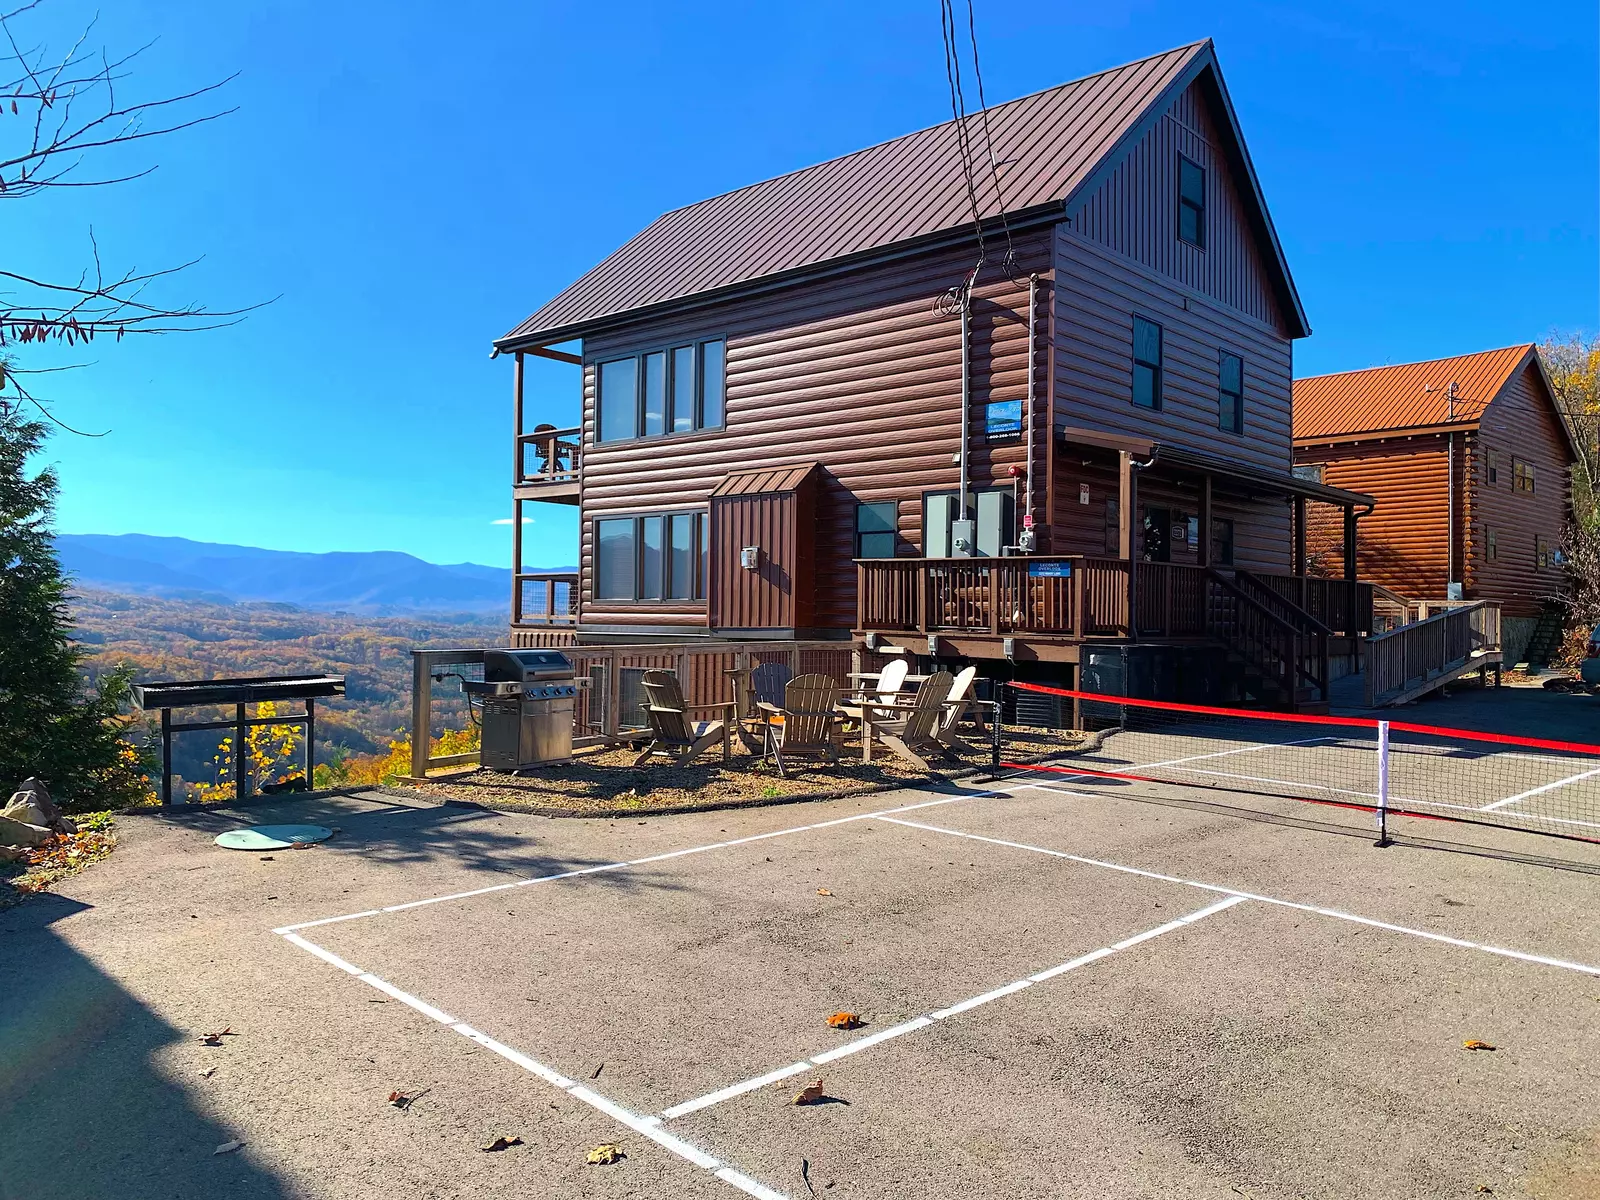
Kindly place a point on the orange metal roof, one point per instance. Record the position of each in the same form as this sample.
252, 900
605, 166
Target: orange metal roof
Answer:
764, 482
1050, 144
1385, 398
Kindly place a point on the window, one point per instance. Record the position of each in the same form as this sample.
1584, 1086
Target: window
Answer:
1310, 472
660, 556
875, 524
1002, 418
1221, 542
993, 515
1146, 363
1541, 551
1491, 466
661, 392
1522, 479
1491, 545
1230, 393
1191, 202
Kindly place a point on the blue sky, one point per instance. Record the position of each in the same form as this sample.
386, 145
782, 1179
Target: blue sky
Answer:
412, 179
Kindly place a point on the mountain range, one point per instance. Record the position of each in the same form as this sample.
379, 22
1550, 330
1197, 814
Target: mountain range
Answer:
376, 581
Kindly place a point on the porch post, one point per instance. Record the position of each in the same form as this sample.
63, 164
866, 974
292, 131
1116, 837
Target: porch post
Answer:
516, 562
1203, 555
1300, 536
1127, 497
1350, 569
516, 410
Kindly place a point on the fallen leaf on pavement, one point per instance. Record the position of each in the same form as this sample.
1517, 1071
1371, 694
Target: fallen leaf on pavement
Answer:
227, 1148
845, 1020
824, 892
503, 1143
1475, 1044
601, 1155
809, 1094
404, 1100
207, 1073
302, 845
215, 1039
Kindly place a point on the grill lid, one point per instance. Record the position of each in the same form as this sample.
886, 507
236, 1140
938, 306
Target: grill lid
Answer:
525, 666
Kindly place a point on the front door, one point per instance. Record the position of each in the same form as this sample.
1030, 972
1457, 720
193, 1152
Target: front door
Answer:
1157, 535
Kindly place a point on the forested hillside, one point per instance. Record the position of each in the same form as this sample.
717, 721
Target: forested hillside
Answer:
188, 639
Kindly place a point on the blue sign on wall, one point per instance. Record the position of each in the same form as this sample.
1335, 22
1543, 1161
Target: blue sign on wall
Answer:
1050, 570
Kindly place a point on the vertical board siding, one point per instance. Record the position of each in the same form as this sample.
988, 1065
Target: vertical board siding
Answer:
1519, 423
1097, 295
1135, 213
862, 374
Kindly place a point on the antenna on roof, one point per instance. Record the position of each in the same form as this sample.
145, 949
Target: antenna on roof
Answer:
1451, 391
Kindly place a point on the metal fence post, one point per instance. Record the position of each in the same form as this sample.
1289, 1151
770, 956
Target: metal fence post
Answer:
166, 756
1383, 783
994, 739
241, 761
421, 713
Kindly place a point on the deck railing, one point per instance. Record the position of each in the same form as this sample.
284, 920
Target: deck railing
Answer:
1065, 595
1343, 605
1406, 660
549, 456
545, 598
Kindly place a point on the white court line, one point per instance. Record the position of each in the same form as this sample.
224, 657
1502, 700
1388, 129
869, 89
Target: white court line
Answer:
924, 1021
647, 1127
1536, 791
1425, 934
632, 862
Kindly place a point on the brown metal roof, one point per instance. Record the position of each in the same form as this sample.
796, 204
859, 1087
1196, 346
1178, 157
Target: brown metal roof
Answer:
764, 482
1397, 398
1050, 144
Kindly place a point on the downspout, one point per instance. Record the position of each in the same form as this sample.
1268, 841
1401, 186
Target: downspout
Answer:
1027, 417
1450, 493
1133, 535
966, 393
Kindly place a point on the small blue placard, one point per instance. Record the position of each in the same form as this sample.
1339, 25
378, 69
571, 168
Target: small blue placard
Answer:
1050, 570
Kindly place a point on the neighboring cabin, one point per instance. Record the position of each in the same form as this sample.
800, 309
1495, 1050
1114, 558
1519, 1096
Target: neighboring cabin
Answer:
1469, 460
803, 412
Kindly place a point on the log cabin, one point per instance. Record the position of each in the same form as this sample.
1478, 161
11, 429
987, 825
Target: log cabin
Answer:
1469, 459
1014, 391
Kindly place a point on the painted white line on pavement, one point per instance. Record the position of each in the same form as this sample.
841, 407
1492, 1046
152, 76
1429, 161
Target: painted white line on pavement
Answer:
1425, 934
1538, 790
647, 1127
923, 1022
635, 862
1173, 762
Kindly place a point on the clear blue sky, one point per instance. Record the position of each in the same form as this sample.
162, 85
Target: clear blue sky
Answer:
414, 178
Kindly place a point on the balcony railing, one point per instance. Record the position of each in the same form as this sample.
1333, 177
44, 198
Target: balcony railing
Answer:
548, 456
1068, 596
545, 598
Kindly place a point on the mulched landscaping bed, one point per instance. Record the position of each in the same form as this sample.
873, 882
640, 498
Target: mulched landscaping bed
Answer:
604, 781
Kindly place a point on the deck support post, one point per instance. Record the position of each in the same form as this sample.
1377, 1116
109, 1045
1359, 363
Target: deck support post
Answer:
1300, 538
1350, 570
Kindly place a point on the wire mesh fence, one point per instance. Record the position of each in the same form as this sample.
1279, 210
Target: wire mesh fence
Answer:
1533, 784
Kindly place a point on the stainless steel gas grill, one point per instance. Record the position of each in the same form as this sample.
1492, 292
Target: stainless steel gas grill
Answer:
528, 698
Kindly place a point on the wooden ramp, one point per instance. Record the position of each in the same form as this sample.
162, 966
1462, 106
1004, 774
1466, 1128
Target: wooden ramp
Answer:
1413, 660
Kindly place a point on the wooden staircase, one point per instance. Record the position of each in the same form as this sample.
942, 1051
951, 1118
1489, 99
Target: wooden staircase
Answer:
1280, 650
1545, 643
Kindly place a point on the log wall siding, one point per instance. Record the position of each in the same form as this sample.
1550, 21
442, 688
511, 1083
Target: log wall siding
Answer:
1135, 213
1097, 296
860, 373
1519, 423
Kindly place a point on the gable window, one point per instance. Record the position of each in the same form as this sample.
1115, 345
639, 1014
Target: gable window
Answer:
1221, 542
1522, 478
1310, 472
1491, 466
659, 392
1541, 551
1191, 202
1230, 393
875, 529
1491, 545
657, 556
1146, 363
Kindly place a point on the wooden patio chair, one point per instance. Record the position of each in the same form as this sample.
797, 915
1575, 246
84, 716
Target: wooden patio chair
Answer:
672, 734
806, 725
751, 686
956, 707
915, 731
891, 682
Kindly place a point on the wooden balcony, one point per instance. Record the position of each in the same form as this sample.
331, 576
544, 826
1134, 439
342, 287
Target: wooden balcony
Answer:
545, 599
548, 465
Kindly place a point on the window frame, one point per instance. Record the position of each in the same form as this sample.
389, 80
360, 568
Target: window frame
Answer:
1157, 368
1197, 207
696, 406
699, 557
1491, 467
1542, 556
1491, 544
1522, 473
1310, 472
892, 533
1237, 428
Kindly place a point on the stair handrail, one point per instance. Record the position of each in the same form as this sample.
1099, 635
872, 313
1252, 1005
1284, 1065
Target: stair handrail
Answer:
1294, 614
1443, 614
1297, 668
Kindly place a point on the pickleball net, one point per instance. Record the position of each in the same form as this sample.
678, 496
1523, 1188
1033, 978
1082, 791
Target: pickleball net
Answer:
1534, 784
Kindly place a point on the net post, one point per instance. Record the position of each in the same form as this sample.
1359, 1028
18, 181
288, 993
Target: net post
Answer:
994, 739
1383, 784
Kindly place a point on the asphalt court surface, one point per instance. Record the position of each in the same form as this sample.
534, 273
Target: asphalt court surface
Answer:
1147, 1018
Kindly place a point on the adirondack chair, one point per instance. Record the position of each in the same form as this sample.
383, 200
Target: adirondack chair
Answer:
672, 734
891, 682
751, 686
915, 731
956, 706
806, 725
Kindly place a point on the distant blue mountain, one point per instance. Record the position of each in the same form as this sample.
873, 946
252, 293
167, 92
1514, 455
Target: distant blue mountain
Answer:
379, 581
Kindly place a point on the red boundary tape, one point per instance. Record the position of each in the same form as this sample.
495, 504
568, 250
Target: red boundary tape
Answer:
1470, 735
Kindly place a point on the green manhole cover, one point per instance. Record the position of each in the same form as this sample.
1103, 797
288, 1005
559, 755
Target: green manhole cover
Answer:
271, 837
